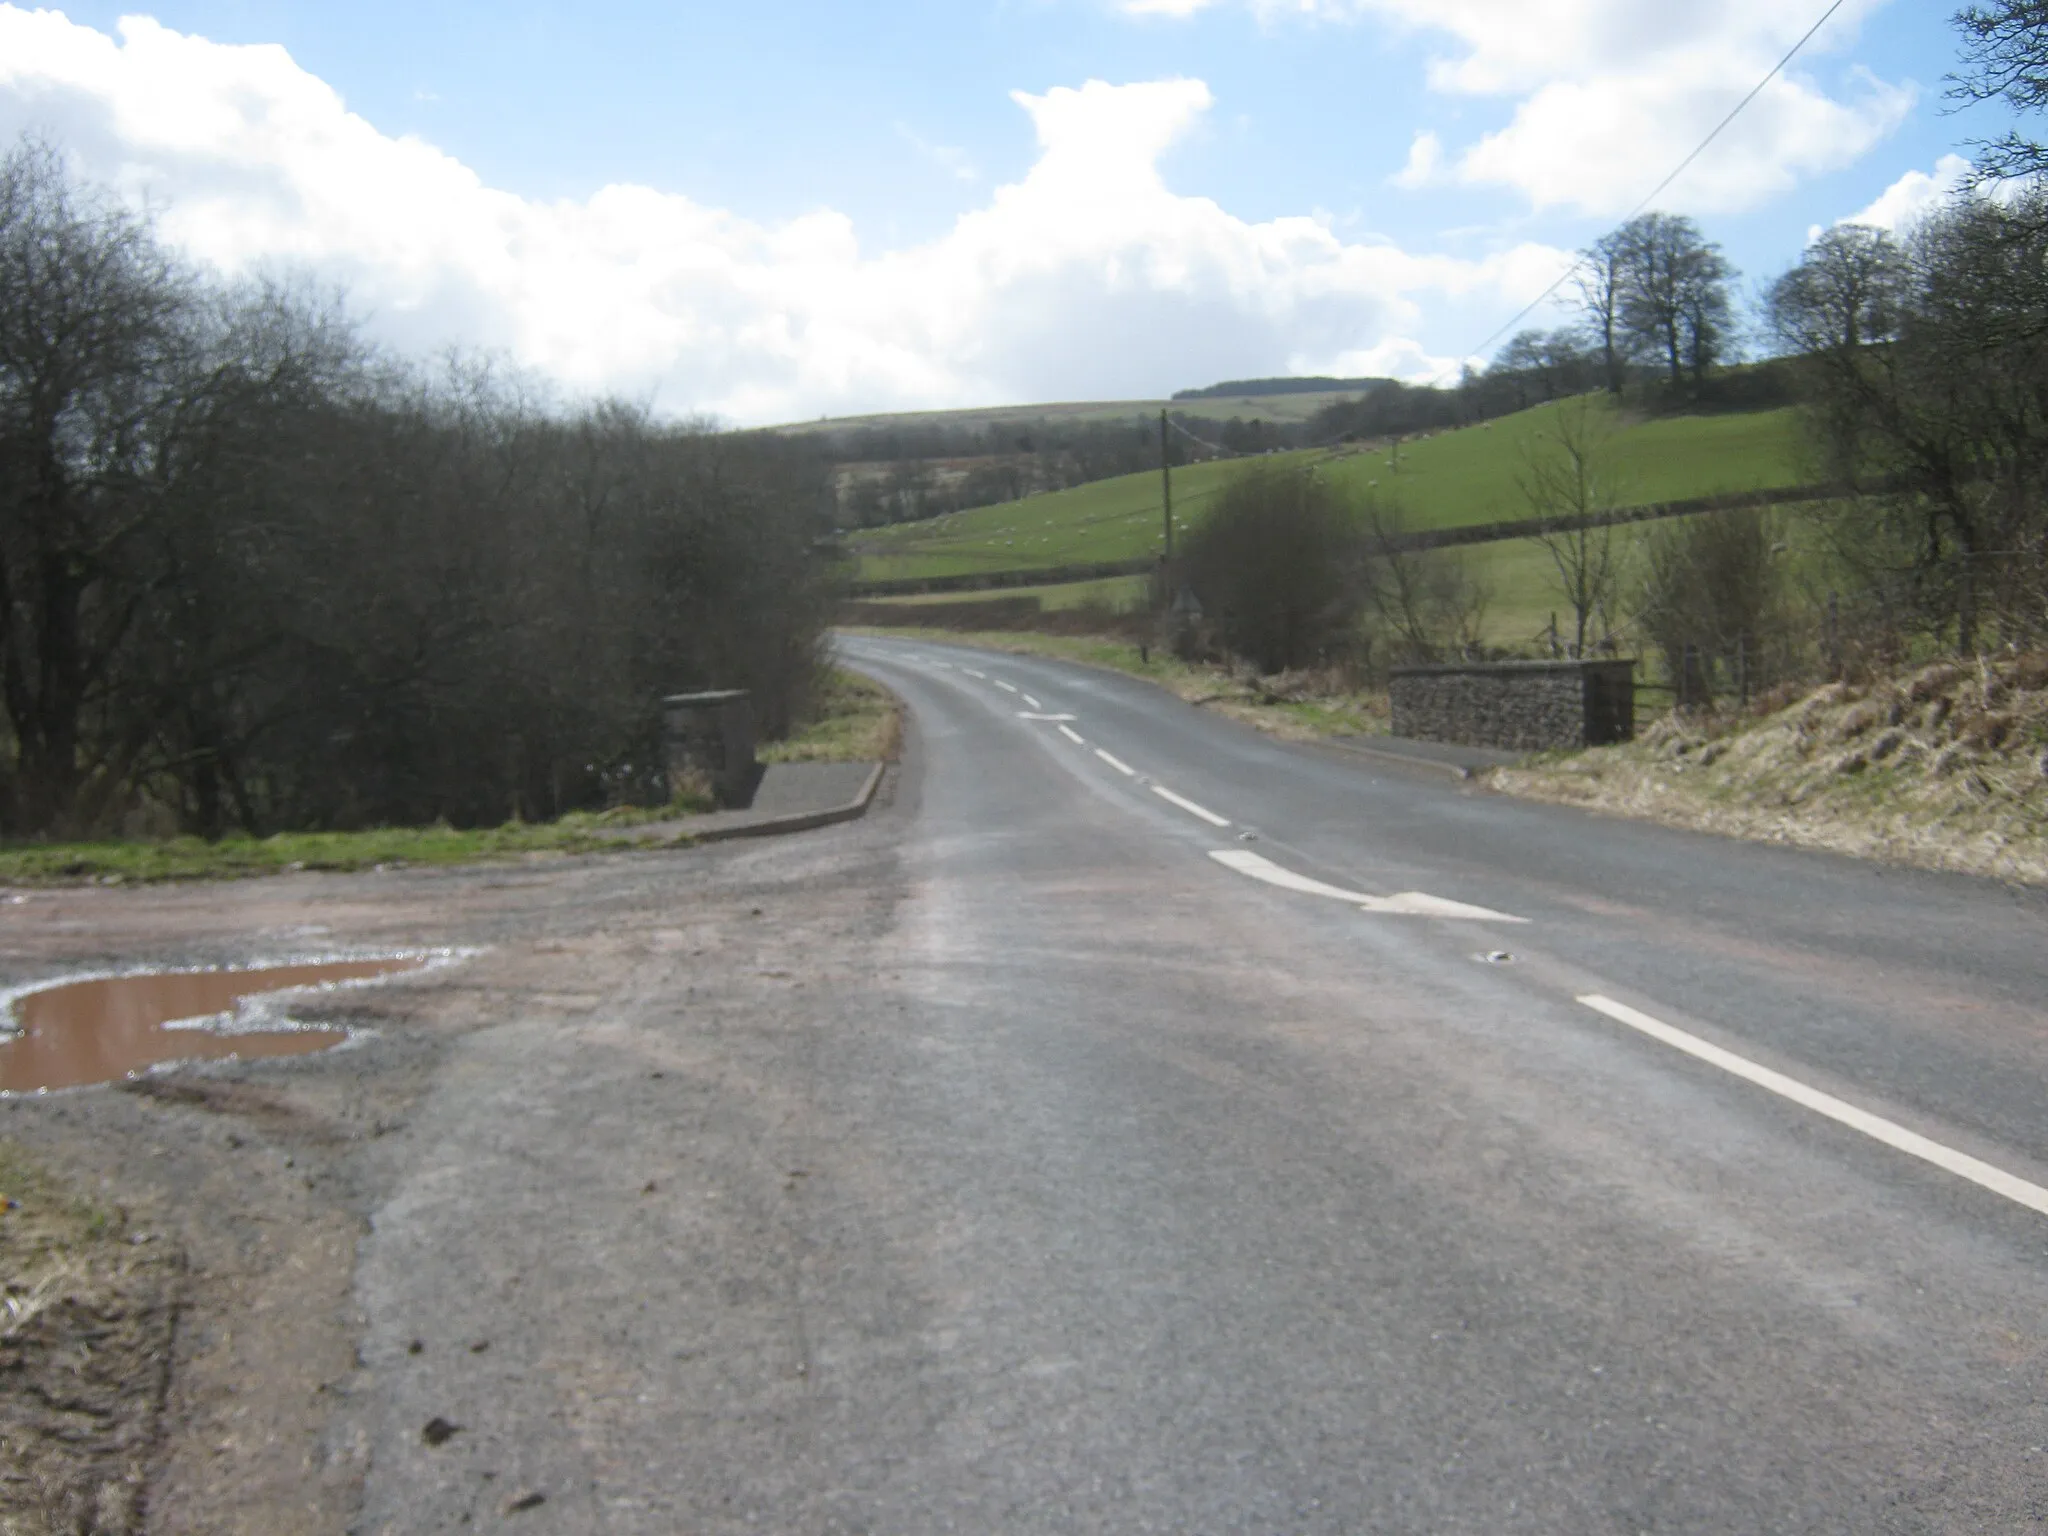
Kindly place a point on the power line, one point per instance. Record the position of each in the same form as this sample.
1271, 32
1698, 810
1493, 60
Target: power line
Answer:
1678, 171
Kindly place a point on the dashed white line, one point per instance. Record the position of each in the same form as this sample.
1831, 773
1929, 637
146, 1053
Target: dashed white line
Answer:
1033, 702
2018, 1190
1123, 768
1072, 735
1006, 687
972, 673
1402, 904
1189, 806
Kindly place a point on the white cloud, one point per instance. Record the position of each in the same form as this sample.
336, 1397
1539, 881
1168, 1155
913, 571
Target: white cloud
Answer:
1609, 95
1902, 203
1425, 162
1088, 277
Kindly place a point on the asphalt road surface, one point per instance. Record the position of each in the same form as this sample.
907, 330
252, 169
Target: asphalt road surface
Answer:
1134, 1124
1302, 1144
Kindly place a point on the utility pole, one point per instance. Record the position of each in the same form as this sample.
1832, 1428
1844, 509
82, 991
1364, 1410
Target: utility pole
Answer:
1166, 486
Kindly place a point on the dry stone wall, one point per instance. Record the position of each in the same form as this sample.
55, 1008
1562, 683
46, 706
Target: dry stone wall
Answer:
1517, 706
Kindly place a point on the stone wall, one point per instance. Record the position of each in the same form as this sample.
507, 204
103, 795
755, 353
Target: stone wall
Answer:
1517, 706
710, 744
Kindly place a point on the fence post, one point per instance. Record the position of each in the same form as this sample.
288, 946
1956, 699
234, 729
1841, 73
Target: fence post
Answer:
1834, 638
1689, 680
1742, 669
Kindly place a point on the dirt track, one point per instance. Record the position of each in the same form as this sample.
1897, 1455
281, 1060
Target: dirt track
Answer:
252, 1186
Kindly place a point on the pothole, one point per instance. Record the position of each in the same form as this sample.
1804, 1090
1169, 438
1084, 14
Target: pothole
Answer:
100, 1030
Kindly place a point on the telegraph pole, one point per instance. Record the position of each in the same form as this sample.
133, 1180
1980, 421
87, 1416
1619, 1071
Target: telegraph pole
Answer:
1166, 486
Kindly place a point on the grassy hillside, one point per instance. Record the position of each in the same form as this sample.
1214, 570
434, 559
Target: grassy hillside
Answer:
1451, 479
1248, 407
1943, 766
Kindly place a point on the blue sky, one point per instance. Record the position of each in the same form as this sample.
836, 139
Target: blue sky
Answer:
787, 209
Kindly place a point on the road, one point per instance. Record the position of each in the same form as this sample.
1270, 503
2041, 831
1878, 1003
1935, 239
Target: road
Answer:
1134, 1124
1266, 1212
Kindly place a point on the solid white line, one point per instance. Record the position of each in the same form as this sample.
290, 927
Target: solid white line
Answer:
1033, 702
1123, 768
1072, 735
1405, 904
1961, 1164
1006, 687
1189, 806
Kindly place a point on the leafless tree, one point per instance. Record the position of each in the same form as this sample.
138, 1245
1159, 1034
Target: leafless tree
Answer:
2005, 60
1566, 481
1425, 604
1603, 278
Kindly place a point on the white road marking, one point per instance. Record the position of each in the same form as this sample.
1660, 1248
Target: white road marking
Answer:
1404, 904
972, 673
1123, 768
1422, 904
1006, 687
1961, 1164
1025, 714
1259, 867
1189, 806
1033, 702
1072, 735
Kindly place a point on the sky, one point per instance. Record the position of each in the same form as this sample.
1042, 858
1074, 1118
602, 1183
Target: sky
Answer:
787, 209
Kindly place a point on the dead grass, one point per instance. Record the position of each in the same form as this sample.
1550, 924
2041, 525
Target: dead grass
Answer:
856, 720
86, 1314
1944, 767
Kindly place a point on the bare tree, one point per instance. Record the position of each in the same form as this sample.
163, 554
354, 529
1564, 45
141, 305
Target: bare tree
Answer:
253, 573
94, 328
2005, 59
1603, 277
1566, 482
1710, 599
1425, 603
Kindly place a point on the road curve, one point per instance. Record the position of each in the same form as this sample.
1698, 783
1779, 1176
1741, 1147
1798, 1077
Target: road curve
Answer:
1305, 1144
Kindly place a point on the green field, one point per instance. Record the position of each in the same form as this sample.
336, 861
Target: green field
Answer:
1109, 592
1449, 480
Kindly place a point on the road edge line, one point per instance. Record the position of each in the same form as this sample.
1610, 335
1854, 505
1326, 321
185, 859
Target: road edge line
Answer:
1985, 1175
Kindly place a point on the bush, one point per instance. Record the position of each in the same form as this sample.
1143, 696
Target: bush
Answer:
1278, 569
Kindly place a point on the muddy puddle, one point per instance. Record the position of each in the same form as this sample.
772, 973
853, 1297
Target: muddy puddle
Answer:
99, 1031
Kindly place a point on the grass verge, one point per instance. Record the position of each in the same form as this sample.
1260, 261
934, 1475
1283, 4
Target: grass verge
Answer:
858, 721
1944, 767
192, 858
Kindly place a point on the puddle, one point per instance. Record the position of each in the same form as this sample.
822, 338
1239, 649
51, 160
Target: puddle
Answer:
82, 1032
